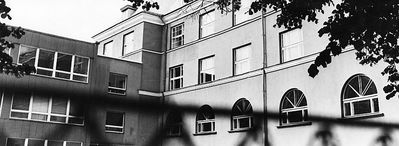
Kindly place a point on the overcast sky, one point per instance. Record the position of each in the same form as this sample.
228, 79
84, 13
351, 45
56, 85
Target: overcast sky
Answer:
77, 19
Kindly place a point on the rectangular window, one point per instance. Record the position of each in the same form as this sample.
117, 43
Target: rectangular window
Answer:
176, 77
206, 70
241, 60
242, 14
117, 84
291, 45
207, 23
242, 122
39, 142
46, 108
36, 142
177, 33
15, 142
56, 64
107, 48
114, 122
128, 44
205, 126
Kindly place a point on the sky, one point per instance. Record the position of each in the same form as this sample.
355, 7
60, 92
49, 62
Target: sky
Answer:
77, 19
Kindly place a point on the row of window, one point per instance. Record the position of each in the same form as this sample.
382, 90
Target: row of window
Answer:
207, 24
55, 64
241, 119
40, 142
359, 98
127, 47
207, 68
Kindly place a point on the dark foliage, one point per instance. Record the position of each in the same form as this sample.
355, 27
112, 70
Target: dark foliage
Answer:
371, 27
6, 64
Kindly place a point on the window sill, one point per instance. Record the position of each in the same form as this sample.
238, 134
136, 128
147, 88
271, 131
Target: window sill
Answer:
115, 132
48, 122
365, 116
62, 79
205, 133
117, 94
240, 130
306, 123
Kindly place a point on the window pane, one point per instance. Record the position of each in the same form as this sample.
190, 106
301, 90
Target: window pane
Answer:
68, 143
27, 55
41, 117
19, 115
34, 142
244, 122
64, 62
40, 103
80, 78
295, 116
46, 59
62, 75
128, 43
44, 72
59, 105
115, 119
108, 48
361, 107
207, 127
15, 142
376, 106
81, 65
117, 81
58, 119
76, 108
347, 109
54, 143
21, 101
207, 23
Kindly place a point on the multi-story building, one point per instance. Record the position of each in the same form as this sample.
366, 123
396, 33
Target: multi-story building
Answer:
225, 78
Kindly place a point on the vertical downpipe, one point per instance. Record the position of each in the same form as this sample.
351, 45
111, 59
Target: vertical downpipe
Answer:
265, 116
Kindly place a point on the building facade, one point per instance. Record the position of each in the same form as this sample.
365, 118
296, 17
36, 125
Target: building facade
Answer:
193, 76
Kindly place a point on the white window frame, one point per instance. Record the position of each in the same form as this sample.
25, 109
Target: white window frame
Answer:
48, 114
117, 88
54, 70
104, 51
237, 119
361, 97
296, 107
243, 61
173, 79
126, 51
202, 72
175, 36
115, 126
211, 24
242, 14
46, 141
200, 126
295, 45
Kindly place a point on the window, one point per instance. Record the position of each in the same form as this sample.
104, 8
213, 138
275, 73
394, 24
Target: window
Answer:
46, 108
114, 122
174, 123
40, 142
293, 107
207, 23
359, 97
176, 77
128, 44
241, 118
177, 33
56, 64
291, 45
242, 14
206, 70
117, 84
205, 120
107, 49
241, 60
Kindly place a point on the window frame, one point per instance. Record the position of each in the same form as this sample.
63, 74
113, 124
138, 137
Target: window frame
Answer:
46, 141
54, 70
124, 90
201, 25
124, 44
172, 79
174, 121
374, 109
243, 11
200, 124
200, 71
173, 31
242, 61
296, 108
115, 126
48, 114
299, 44
235, 119
104, 47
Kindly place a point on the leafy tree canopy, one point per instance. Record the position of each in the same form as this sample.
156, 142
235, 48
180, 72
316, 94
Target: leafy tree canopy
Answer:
370, 26
6, 64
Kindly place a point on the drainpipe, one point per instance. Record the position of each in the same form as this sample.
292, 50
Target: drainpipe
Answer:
163, 80
265, 116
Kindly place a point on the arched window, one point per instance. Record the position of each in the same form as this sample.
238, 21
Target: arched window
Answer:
241, 117
174, 123
205, 120
293, 107
359, 97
